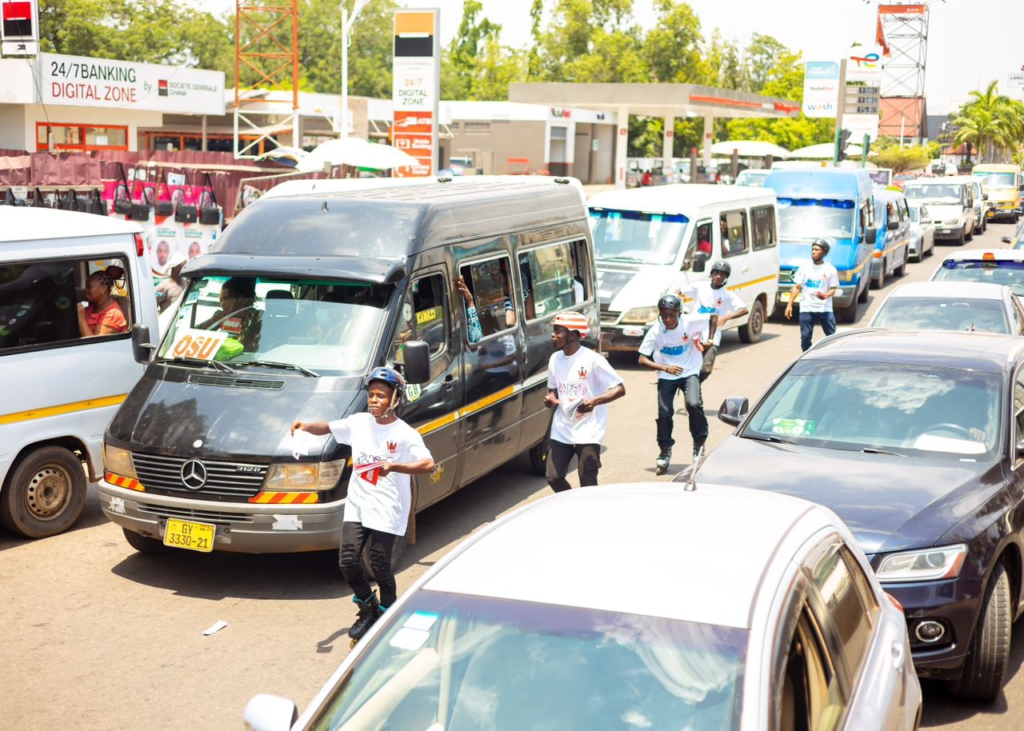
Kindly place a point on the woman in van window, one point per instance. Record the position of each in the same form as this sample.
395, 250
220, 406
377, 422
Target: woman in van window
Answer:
101, 316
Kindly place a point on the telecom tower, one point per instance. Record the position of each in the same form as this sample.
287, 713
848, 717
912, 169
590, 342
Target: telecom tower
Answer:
266, 59
903, 36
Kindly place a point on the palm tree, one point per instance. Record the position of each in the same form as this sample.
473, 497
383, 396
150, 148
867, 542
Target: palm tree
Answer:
990, 120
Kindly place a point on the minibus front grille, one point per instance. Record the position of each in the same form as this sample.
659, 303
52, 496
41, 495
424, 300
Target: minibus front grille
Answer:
235, 382
204, 516
225, 479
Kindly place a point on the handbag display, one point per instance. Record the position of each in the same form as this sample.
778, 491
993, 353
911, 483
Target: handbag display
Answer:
209, 211
135, 211
186, 212
164, 207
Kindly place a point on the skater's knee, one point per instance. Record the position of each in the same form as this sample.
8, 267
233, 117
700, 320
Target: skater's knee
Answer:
348, 557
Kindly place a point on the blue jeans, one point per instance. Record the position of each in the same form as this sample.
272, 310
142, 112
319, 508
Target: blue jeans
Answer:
807, 319
690, 386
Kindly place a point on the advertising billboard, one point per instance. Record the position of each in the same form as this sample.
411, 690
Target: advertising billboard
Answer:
416, 89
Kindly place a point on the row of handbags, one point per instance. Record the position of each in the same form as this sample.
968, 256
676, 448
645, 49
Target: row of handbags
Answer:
207, 212
69, 201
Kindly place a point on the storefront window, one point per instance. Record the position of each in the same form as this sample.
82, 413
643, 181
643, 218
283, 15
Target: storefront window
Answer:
80, 138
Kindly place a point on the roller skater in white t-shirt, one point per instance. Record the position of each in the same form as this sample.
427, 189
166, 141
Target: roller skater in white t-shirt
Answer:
815, 284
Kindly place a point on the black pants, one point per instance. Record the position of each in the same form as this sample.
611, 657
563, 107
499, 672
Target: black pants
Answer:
708, 362
690, 386
559, 457
354, 538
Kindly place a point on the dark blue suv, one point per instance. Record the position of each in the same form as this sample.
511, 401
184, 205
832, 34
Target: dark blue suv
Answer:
916, 440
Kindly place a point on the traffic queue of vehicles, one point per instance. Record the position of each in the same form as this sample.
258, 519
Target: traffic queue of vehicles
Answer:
276, 326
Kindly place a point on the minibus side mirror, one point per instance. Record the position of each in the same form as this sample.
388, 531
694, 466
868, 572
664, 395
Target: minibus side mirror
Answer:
870, 236
266, 712
1005, 239
700, 261
733, 410
892, 224
416, 361
142, 349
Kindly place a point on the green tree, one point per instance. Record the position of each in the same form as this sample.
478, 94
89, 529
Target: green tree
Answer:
909, 158
762, 54
476, 65
990, 120
672, 48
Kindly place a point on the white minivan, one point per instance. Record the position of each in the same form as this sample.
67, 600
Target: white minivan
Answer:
651, 241
61, 388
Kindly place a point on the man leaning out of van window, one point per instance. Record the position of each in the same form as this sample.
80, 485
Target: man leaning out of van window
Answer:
101, 316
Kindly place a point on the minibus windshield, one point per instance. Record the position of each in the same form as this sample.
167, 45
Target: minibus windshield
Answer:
315, 327
635, 237
806, 218
997, 180
937, 192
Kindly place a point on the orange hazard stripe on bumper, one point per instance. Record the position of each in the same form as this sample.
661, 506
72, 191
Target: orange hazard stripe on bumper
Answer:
285, 498
125, 482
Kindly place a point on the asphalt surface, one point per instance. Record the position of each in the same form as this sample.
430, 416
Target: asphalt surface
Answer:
95, 636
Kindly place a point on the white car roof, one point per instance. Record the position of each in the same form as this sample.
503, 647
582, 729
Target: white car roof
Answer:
982, 254
25, 223
652, 549
678, 197
291, 188
951, 289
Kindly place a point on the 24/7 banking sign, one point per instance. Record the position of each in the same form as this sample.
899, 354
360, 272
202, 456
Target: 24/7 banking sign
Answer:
416, 91
96, 82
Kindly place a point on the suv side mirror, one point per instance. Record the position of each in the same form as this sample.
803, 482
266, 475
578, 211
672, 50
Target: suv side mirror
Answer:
416, 361
700, 261
733, 410
1005, 240
870, 235
142, 349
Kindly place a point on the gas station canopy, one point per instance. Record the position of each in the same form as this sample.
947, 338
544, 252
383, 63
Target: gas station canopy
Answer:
656, 100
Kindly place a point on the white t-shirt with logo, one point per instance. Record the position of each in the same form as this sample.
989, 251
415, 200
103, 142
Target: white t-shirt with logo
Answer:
676, 346
379, 503
582, 375
709, 301
814, 278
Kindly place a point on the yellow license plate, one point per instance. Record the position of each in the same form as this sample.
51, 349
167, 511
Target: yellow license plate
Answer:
192, 536
784, 296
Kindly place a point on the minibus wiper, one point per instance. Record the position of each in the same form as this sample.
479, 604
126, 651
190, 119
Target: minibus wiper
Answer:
216, 364
287, 366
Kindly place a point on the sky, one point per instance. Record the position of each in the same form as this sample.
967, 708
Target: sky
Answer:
971, 42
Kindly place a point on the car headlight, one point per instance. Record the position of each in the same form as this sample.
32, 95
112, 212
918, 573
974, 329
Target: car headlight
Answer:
846, 276
303, 476
118, 461
953, 222
640, 315
927, 565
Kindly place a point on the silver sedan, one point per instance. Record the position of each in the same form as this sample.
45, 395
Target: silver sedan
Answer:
922, 233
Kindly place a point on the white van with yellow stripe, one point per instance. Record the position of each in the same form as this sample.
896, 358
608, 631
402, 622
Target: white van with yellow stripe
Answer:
650, 241
61, 389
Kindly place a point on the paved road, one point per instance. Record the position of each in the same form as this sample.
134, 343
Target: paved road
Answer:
95, 636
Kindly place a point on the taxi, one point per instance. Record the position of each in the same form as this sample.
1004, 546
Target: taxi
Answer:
989, 266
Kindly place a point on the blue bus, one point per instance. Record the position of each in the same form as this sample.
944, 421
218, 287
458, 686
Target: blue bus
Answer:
832, 204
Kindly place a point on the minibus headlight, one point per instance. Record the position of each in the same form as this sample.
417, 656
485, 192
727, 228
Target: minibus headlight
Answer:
640, 315
303, 476
953, 222
118, 461
930, 564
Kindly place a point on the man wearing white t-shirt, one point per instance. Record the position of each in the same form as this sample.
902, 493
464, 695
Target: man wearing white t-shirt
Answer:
717, 303
673, 348
815, 284
580, 384
385, 452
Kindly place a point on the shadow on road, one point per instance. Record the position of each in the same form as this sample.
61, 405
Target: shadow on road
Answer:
941, 708
300, 576
91, 516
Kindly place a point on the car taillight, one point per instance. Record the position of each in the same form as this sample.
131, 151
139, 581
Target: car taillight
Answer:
140, 245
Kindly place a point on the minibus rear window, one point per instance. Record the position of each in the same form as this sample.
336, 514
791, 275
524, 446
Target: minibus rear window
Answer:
637, 237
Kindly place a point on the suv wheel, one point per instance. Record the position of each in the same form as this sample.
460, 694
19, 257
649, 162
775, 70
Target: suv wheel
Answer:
989, 652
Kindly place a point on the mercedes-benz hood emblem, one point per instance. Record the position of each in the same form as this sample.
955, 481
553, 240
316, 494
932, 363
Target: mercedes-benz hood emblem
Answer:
193, 474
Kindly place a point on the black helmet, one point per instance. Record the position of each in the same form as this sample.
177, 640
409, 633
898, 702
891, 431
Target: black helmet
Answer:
823, 244
721, 266
670, 302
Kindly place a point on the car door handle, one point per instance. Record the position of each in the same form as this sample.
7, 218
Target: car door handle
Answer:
449, 382
898, 655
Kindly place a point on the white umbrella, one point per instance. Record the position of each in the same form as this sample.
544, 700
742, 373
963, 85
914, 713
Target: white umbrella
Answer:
285, 155
355, 152
824, 151
749, 148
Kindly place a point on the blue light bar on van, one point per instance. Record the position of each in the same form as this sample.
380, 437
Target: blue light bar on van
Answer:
820, 202
638, 216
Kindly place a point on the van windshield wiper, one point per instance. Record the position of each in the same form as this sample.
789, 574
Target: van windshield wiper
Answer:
766, 438
215, 364
286, 366
878, 450
633, 259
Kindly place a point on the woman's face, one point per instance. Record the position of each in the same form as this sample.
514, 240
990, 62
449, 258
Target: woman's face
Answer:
95, 290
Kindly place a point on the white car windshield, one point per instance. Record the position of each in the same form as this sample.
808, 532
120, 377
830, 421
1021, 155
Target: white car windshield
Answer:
930, 313
936, 192
329, 327
997, 180
914, 411
464, 663
802, 218
1010, 273
635, 237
